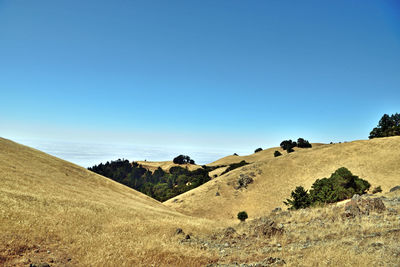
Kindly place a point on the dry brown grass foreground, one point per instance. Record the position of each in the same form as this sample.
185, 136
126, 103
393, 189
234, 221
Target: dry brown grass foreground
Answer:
375, 160
56, 212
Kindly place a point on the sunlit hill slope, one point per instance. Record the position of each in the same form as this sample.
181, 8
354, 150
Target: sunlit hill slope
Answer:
375, 160
54, 211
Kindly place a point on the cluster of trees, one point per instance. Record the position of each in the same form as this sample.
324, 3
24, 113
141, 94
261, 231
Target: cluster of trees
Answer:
158, 184
288, 145
388, 126
341, 185
183, 159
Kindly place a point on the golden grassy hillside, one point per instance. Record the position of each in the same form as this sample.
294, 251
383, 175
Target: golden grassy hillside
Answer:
56, 212
375, 160
259, 156
166, 165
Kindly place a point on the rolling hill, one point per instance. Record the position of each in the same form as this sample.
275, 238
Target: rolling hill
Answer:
375, 160
166, 165
56, 212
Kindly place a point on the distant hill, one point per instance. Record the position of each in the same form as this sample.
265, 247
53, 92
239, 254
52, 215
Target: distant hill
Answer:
375, 160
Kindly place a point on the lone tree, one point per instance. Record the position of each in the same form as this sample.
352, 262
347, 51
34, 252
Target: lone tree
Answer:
300, 199
277, 153
258, 150
182, 159
242, 216
388, 126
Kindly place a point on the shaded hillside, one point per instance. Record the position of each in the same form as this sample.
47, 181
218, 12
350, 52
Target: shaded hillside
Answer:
159, 184
56, 212
274, 178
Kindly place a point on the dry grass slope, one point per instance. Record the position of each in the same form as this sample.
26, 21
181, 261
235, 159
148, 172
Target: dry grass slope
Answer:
166, 165
375, 160
259, 156
54, 211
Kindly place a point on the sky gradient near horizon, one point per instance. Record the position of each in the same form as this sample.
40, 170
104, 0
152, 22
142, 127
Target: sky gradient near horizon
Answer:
203, 77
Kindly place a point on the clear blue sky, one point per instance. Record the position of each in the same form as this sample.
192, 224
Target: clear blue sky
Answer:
210, 75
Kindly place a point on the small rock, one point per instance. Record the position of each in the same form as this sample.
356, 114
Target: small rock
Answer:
48, 252
217, 194
391, 210
356, 197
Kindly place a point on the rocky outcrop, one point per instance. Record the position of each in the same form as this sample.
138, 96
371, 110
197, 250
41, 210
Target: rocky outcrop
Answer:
244, 180
363, 206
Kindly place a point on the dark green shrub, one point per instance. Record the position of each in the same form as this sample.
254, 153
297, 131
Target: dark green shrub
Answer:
277, 153
341, 185
290, 150
258, 150
235, 154
242, 216
377, 189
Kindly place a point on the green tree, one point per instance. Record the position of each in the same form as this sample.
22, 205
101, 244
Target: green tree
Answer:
300, 199
387, 126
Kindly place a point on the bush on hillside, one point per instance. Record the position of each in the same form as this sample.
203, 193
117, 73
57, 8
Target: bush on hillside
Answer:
286, 144
242, 216
258, 150
303, 143
277, 153
387, 126
341, 185
235, 154
290, 150
182, 159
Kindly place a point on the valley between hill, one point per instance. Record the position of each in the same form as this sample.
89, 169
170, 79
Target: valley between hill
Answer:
54, 212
